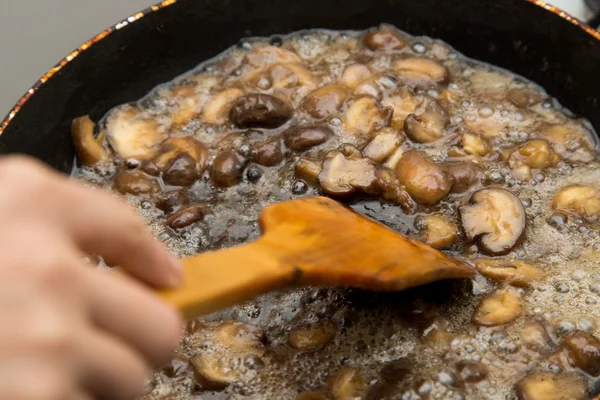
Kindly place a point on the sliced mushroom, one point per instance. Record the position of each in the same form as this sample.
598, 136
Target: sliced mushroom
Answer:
471, 371
583, 352
238, 335
325, 101
302, 138
133, 134
308, 169
189, 103
260, 111
376, 85
186, 216
425, 181
571, 141
513, 272
475, 145
355, 73
342, 175
383, 144
135, 182
347, 384
535, 154
177, 367
421, 70
269, 152
428, 126
89, 149
227, 169
404, 102
261, 56
172, 201
384, 39
466, 176
579, 199
393, 160
535, 336
494, 219
182, 161
389, 188
218, 107
365, 115
490, 83
290, 81
437, 231
524, 97
546, 385
312, 336
312, 396
501, 308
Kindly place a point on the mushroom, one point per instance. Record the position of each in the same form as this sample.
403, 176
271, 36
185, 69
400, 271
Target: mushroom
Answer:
218, 107
269, 152
308, 169
471, 371
365, 115
186, 216
325, 101
393, 160
571, 141
188, 101
535, 154
132, 133
420, 70
290, 81
466, 176
577, 199
89, 149
232, 341
312, 396
490, 83
494, 219
404, 101
383, 144
227, 169
513, 272
172, 201
177, 368
384, 39
135, 182
261, 56
260, 111
524, 97
355, 73
343, 175
301, 138
437, 231
181, 160
535, 336
425, 181
376, 85
546, 385
389, 188
583, 352
312, 336
475, 145
428, 126
501, 308
347, 384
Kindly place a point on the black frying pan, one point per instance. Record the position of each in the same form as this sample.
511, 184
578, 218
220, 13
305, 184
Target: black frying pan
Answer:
126, 61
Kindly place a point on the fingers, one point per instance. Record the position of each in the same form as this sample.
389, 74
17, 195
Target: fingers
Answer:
122, 307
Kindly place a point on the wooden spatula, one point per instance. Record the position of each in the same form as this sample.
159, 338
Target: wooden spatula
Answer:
311, 241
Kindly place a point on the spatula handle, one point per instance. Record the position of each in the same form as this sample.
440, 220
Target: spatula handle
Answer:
219, 279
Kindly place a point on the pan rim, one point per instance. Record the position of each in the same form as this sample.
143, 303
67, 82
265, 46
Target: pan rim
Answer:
166, 3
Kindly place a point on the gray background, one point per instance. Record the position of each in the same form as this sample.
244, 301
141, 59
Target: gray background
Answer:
36, 34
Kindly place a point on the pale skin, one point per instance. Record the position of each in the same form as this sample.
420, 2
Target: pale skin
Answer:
69, 331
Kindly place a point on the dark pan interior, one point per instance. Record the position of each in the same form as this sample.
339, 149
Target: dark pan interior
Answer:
513, 34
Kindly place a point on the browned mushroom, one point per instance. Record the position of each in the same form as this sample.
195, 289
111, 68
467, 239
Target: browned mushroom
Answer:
536, 154
583, 352
534, 335
172, 201
471, 371
466, 176
182, 161
355, 73
524, 97
376, 85
437, 231
325, 101
494, 219
347, 384
384, 39
475, 145
421, 70
501, 308
301, 138
218, 107
546, 385
383, 144
404, 102
312, 336
365, 115
186, 216
290, 81
269, 152
425, 181
343, 175
578, 199
514, 272
261, 56
312, 396
227, 169
571, 141
135, 182
428, 126
260, 111
89, 149
308, 169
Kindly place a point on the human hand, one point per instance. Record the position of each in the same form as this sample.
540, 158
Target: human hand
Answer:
69, 331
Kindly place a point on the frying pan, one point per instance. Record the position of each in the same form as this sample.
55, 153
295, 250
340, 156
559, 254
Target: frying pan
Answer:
127, 60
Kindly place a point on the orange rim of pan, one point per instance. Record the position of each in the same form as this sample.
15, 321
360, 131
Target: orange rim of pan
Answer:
132, 19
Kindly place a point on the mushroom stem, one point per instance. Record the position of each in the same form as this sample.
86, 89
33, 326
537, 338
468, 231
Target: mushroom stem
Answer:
89, 149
